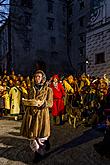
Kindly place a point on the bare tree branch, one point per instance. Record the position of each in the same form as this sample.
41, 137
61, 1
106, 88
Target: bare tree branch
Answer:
1, 2
3, 13
4, 10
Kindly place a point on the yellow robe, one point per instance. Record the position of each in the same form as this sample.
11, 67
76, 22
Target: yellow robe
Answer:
15, 97
7, 100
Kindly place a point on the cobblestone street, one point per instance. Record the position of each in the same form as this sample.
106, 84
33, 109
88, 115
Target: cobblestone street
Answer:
68, 146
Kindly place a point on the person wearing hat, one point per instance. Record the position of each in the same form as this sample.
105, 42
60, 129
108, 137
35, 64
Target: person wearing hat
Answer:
58, 101
36, 121
15, 99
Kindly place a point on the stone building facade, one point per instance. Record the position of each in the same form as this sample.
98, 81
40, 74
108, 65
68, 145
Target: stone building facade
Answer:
49, 31
39, 34
4, 46
78, 18
62, 36
49, 36
98, 41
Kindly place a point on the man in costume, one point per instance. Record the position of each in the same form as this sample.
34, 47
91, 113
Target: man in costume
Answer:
36, 122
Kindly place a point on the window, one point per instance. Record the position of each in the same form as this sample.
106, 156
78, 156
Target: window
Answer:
69, 1
70, 28
82, 37
27, 45
27, 19
81, 21
81, 67
50, 23
53, 40
69, 42
81, 3
81, 51
50, 6
27, 3
99, 58
70, 11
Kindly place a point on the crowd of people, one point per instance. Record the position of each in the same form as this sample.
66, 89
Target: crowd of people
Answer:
89, 95
82, 99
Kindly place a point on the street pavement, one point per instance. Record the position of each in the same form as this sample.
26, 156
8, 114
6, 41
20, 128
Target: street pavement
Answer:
69, 146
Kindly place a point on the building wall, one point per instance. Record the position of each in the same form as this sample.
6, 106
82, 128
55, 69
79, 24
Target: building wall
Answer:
98, 42
4, 49
32, 41
77, 47
53, 53
64, 48
20, 17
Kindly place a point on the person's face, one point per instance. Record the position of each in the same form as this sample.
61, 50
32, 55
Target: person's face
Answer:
83, 78
38, 78
5, 71
11, 83
21, 78
18, 83
8, 78
4, 83
14, 77
108, 122
55, 79
70, 79
28, 78
13, 72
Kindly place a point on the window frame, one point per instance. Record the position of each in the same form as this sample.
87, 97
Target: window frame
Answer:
99, 59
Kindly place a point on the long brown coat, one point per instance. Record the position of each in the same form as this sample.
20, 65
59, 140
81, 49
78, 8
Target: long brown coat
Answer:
36, 121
